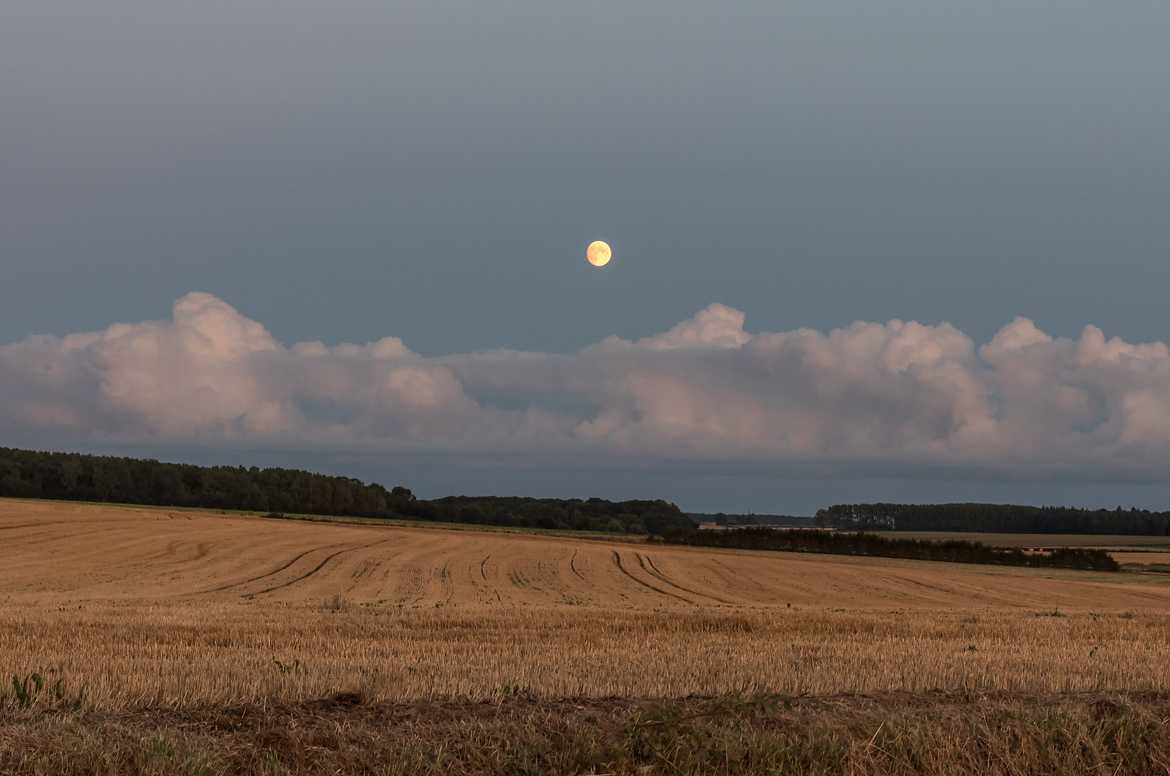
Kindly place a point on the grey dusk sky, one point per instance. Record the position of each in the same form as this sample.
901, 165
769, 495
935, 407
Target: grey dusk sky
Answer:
432, 171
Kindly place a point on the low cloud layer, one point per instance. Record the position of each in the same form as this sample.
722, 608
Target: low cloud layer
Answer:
868, 398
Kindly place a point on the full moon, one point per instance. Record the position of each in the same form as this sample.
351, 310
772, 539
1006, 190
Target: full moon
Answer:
598, 253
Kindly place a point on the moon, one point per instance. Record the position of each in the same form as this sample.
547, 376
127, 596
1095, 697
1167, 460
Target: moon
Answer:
598, 253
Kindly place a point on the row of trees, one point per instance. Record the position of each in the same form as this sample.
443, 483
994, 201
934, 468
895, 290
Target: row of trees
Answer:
994, 518
78, 477
849, 543
71, 476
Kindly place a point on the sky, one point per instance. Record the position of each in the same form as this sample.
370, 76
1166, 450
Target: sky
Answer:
898, 251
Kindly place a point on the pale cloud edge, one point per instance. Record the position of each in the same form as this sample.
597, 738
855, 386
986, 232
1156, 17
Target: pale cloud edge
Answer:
866, 398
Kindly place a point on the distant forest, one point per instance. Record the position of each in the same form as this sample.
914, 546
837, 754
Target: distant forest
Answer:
850, 543
994, 518
76, 477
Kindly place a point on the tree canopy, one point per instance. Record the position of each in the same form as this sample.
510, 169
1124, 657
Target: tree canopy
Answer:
78, 477
994, 518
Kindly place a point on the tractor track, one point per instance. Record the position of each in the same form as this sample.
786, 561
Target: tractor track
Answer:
266, 574
317, 568
573, 566
617, 561
647, 564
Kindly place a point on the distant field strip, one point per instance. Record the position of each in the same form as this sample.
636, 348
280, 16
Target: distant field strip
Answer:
1045, 540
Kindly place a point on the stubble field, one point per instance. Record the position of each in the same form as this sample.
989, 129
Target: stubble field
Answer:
124, 610
150, 607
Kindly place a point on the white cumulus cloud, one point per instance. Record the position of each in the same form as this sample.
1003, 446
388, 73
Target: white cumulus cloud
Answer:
868, 397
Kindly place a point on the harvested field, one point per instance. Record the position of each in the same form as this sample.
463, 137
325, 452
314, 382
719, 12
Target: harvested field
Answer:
57, 553
1143, 562
146, 608
1159, 557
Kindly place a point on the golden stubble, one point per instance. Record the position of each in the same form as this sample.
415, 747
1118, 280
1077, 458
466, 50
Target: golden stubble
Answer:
149, 608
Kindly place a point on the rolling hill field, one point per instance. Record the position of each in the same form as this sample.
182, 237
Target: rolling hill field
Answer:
187, 607
142, 611
59, 552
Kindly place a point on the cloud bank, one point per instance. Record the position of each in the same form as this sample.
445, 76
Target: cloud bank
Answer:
867, 398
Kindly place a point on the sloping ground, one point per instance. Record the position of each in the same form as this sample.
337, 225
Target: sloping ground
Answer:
53, 552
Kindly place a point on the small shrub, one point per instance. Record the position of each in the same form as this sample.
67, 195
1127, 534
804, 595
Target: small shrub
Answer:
33, 689
28, 689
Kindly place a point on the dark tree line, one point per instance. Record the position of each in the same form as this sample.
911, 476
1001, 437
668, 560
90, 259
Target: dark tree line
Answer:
76, 477
595, 514
849, 543
994, 518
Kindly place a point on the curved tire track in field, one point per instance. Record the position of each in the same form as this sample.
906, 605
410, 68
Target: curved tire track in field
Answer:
485, 587
363, 573
573, 566
647, 564
266, 574
617, 561
313, 571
